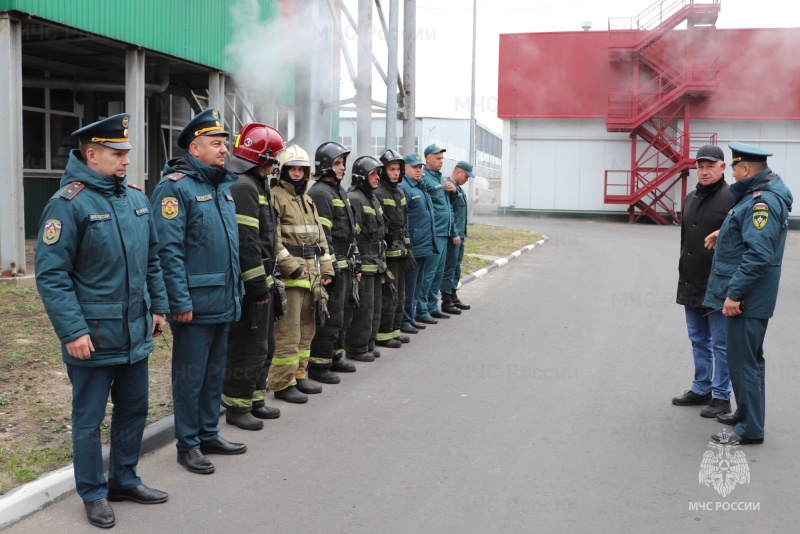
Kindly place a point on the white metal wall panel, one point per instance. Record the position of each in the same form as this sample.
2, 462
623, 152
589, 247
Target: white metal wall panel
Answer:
553, 164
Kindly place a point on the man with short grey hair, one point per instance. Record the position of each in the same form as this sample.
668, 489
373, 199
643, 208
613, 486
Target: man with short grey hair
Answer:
704, 209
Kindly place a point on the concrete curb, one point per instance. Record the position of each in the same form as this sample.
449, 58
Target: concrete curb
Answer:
33, 496
499, 263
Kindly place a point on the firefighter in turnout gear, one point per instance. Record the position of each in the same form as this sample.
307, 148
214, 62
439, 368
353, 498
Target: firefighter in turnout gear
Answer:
305, 267
370, 227
398, 247
336, 217
251, 340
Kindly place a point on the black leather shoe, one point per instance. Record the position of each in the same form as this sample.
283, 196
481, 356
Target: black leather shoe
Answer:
403, 339
727, 419
244, 420
716, 407
449, 307
427, 320
141, 494
195, 462
389, 344
690, 398
222, 446
418, 326
341, 366
725, 438
262, 411
324, 375
291, 394
361, 356
307, 387
99, 513
409, 329
439, 315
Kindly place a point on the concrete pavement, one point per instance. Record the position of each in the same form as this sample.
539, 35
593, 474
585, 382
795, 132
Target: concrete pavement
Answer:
545, 408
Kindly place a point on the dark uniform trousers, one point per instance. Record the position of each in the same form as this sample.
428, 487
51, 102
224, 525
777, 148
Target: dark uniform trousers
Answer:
452, 266
747, 367
128, 385
324, 345
198, 370
393, 300
364, 320
250, 349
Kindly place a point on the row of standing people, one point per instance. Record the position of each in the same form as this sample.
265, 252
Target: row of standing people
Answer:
220, 255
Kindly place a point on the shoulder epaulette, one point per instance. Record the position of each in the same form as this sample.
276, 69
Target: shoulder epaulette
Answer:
71, 190
134, 186
175, 176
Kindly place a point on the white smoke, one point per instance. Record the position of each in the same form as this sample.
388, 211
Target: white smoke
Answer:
266, 46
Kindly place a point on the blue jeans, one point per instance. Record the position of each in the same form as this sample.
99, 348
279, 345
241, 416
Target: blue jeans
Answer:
709, 334
413, 289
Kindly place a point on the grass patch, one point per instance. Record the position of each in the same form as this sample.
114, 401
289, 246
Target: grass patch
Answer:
494, 241
19, 465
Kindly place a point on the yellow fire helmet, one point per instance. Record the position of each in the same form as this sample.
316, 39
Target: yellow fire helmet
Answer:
294, 156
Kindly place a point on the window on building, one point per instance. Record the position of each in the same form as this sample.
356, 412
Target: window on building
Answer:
346, 141
49, 116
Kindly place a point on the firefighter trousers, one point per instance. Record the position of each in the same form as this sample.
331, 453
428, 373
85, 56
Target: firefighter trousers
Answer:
293, 335
364, 320
393, 300
326, 336
251, 342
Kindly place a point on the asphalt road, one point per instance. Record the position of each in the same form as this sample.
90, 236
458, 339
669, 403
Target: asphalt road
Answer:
546, 408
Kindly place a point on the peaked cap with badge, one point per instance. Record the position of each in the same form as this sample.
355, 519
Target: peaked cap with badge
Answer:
743, 152
111, 132
204, 123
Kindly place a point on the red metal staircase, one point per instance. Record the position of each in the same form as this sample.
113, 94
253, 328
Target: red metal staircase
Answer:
666, 79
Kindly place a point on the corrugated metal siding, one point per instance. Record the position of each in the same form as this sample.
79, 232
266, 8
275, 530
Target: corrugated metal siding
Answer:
195, 30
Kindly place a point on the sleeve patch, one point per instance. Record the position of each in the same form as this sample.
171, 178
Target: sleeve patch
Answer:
169, 207
51, 232
760, 219
760, 206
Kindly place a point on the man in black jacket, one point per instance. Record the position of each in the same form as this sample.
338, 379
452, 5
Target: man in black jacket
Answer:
704, 210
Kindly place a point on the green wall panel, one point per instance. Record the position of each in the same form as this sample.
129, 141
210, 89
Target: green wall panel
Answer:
194, 30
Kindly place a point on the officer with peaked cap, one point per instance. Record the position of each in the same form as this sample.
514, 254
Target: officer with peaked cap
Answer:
199, 251
745, 274
98, 274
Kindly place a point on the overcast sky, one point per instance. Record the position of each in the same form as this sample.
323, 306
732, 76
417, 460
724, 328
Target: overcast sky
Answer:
444, 46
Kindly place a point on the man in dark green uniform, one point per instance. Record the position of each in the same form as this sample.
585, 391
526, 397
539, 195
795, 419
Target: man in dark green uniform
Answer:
199, 253
98, 274
455, 247
744, 282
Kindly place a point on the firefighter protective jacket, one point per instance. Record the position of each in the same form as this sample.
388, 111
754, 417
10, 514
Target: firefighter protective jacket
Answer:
337, 219
370, 229
301, 236
258, 234
395, 214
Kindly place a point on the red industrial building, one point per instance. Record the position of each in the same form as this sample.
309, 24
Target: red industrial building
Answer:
604, 122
